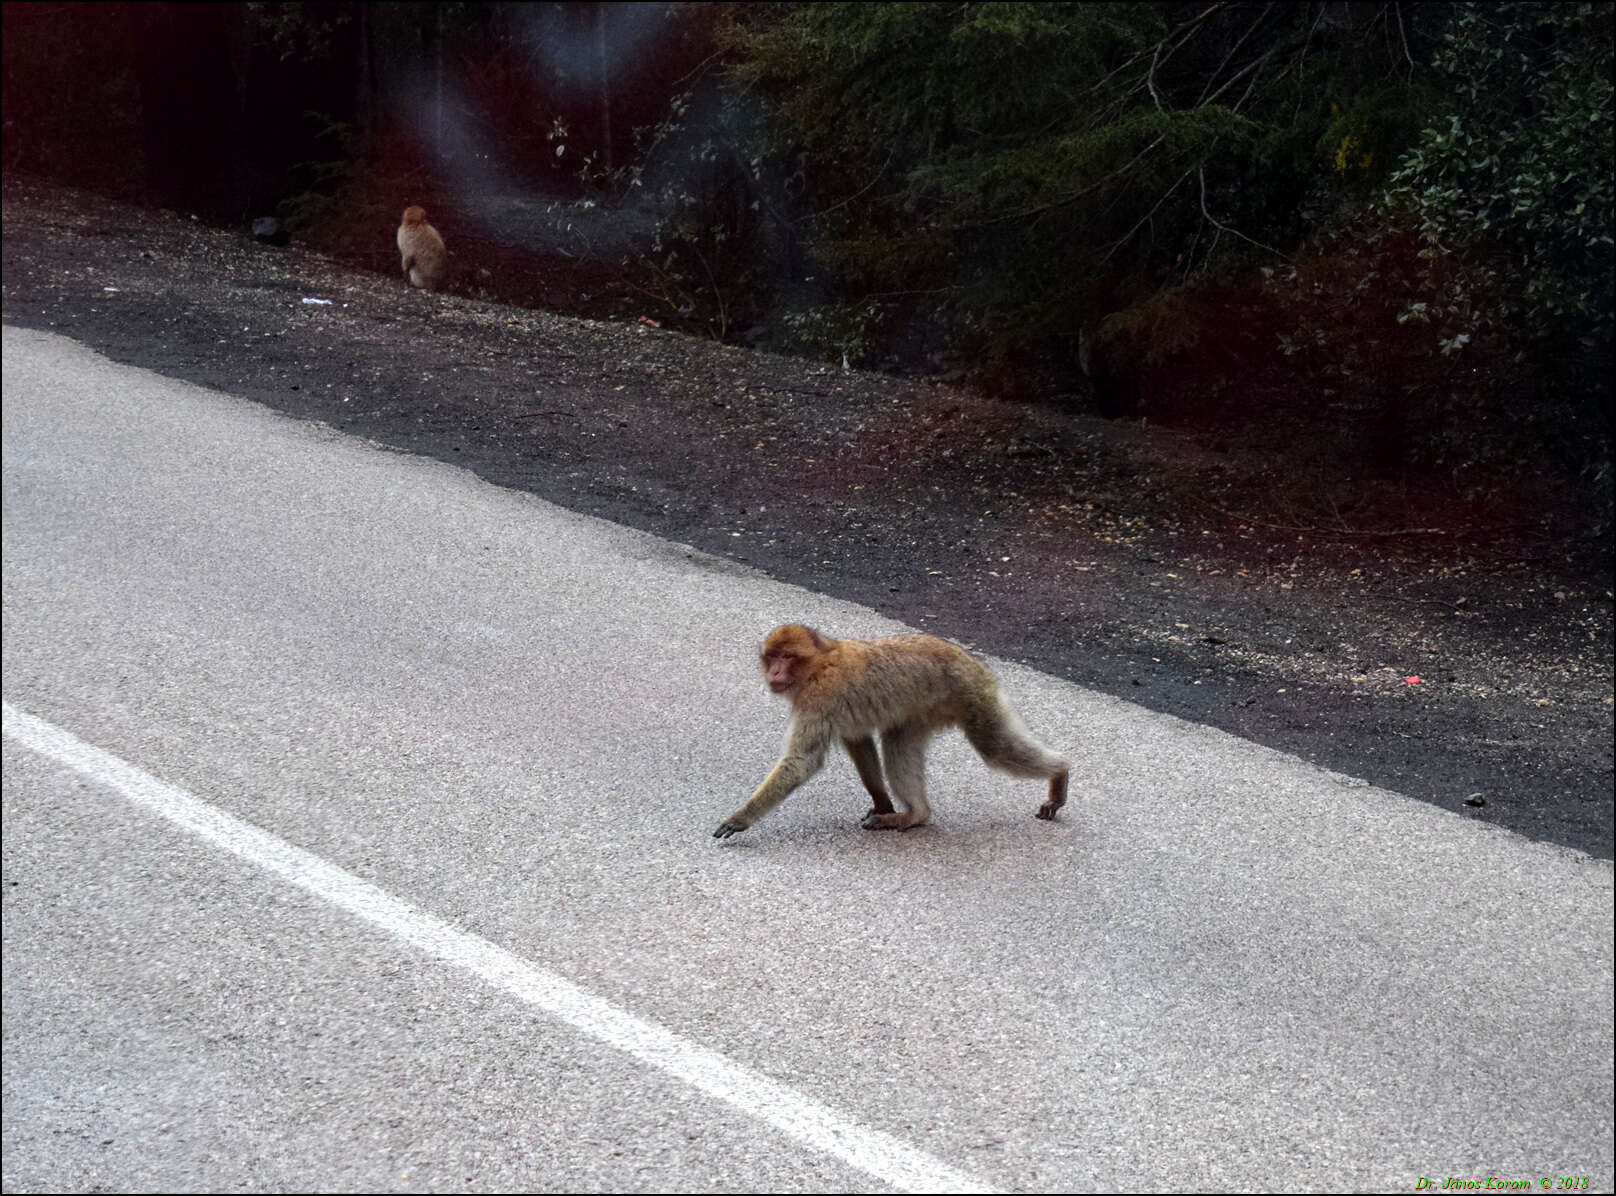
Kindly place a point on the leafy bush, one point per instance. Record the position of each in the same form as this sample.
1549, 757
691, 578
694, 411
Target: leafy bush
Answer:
1037, 166
1521, 157
1510, 194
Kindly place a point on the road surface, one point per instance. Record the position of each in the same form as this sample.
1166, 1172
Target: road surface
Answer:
357, 836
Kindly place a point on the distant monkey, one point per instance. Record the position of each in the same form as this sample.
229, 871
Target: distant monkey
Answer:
426, 261
905, 687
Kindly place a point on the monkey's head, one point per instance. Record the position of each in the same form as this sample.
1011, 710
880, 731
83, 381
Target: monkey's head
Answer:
791, 654
415, 214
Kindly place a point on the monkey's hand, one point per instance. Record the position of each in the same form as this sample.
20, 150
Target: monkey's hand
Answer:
730, 826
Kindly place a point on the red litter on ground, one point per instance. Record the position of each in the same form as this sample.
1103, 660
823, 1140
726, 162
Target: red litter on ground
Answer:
1412, 680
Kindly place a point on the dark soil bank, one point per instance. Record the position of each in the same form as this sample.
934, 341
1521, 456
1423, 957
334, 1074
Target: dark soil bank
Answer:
1136, 561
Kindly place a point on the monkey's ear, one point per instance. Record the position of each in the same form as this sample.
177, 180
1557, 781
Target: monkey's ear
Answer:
821, 644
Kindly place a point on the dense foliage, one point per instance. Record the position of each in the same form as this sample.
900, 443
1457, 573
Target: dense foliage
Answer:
1510, 192
1387, 224
1045, 164
1520, 158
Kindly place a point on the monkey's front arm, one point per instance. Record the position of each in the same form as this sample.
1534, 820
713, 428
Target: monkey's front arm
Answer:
805, 754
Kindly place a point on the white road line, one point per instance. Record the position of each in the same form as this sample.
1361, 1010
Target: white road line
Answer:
814, 1125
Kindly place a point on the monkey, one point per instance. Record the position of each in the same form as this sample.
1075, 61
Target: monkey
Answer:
903, 687
426, 261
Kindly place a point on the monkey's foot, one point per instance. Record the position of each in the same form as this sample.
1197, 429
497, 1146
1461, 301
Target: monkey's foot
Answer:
1047, 810
726, 829
897, 821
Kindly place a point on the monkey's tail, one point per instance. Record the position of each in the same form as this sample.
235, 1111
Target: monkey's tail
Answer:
1003, 741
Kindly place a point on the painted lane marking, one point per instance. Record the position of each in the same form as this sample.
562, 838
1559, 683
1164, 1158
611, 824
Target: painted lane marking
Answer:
805, 1120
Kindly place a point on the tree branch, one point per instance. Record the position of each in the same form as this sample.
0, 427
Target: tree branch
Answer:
1127, 236
1213, 220
1073, 197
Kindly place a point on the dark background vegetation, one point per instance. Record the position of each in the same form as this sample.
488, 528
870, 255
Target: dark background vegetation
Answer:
1374, 239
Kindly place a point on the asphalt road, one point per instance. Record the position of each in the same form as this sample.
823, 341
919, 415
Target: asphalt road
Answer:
357, 826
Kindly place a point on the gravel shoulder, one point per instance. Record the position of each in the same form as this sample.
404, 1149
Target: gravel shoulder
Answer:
1132, 560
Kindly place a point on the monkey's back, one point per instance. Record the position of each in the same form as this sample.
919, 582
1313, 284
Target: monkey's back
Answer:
425, 258
907, 679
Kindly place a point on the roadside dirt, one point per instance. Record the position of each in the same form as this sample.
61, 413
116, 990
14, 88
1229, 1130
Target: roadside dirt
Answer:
1468, 667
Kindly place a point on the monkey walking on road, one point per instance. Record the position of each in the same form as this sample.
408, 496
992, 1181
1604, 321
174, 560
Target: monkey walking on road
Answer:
905, 687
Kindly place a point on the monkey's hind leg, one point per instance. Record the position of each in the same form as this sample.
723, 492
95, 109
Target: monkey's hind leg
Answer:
904, 751
1057, 795
868, 764
1004, 743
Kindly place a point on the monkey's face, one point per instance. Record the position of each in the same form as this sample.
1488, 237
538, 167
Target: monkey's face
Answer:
780, 671
790, 655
